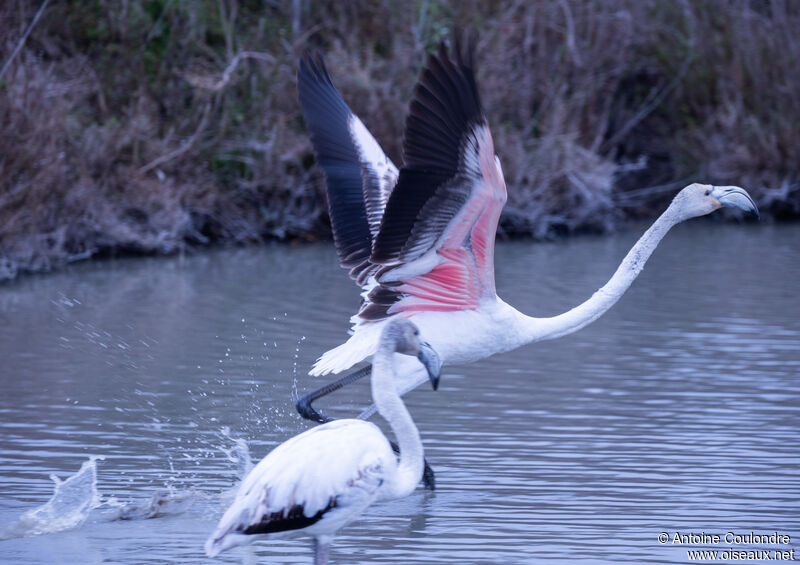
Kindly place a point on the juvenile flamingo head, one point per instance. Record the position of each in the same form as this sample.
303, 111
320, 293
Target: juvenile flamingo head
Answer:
404, 337
701, 199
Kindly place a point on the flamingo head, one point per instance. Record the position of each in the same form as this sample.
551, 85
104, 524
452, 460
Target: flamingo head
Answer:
404, 334
701, 199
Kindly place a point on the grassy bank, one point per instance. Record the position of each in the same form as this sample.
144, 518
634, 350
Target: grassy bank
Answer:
151, 126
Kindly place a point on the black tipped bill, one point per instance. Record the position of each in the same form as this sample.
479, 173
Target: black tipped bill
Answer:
736, 197
433, 364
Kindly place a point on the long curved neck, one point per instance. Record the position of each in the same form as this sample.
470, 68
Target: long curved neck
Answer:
392, 408
548, 328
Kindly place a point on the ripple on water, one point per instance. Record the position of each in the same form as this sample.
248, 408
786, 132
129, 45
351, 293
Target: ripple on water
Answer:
679, 410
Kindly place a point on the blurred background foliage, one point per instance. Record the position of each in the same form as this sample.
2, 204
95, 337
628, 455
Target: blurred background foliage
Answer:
156, 125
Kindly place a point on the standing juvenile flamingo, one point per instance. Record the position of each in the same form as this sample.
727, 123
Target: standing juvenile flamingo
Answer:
420, 241
324, 478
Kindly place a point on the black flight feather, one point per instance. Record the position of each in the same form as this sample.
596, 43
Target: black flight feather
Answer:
294, 519
444, 111
327, 117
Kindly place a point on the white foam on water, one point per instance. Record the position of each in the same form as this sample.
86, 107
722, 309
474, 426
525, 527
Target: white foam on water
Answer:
73, 498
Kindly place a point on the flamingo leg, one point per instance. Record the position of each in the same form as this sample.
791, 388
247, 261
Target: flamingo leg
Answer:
321, 550
308, 412
303, 403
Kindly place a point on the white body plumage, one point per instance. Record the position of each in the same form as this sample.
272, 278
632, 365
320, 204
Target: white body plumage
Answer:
345, 462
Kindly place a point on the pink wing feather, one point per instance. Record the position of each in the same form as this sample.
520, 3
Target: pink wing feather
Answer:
436, 240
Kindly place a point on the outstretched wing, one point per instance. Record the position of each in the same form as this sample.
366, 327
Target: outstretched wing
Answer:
436, 242
360, 177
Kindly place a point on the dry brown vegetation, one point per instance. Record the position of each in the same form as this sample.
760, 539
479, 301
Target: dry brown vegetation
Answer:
150, 126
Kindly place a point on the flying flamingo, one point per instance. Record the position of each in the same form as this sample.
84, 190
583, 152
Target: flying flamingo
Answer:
420, 241
324, 478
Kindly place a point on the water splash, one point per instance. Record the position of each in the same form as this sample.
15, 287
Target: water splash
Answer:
69, 507
162, 503
239, 453
294, 366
